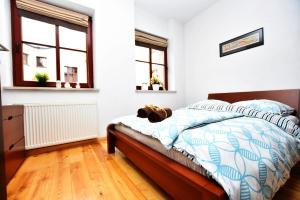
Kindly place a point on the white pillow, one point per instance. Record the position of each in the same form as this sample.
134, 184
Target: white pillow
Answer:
293, 119
267, 106
206, 103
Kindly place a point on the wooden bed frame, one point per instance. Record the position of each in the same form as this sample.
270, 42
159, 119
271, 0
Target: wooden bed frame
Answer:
177, 180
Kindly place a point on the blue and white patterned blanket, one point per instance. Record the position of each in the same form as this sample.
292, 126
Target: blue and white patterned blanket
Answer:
168, 130
250, 158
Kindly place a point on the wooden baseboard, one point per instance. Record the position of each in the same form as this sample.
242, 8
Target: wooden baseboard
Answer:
37, 151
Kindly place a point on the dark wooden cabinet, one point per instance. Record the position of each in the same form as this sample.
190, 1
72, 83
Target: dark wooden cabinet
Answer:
13, 137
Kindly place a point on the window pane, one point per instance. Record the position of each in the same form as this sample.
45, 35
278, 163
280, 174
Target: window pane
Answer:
159, 71
73, 66
38, 59
142, 53
158, 56
72, 39
142, 73
38, 32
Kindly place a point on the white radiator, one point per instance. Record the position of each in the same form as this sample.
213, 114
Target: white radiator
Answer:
52, 124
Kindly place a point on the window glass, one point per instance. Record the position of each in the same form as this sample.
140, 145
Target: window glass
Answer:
72, 39
159, 71
73, 66
142, 73
38, 32
39, 59
142, 53
158, 56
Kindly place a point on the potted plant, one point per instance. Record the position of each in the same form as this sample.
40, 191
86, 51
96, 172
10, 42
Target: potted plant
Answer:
155, 82
42, 79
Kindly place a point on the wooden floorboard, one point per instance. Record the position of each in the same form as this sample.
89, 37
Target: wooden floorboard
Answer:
85, 172
88, 172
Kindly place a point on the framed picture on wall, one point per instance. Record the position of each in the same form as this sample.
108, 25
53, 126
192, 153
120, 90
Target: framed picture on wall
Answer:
243, 42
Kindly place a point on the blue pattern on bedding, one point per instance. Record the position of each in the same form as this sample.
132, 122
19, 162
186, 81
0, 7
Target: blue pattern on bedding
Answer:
168, 130
251, 158
267, 106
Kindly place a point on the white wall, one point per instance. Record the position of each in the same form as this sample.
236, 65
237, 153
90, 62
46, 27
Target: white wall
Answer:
276, 65
114, 70
146, 21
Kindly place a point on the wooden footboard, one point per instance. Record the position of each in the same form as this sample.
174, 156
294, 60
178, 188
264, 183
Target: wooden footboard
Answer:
177, 180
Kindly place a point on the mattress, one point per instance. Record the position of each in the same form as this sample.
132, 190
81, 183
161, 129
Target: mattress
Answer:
157, 146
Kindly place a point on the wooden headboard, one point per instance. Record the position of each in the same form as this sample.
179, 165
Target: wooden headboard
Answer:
289, 97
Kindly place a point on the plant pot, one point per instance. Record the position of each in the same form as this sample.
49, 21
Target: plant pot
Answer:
42, 84
155, 87
144, 86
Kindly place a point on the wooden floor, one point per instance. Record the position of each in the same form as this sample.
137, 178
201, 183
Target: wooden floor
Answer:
291, 189
84, 173
88, 172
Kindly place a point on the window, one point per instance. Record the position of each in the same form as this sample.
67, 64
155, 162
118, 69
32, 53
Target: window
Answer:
70, 74
49, 44
25, 59
150, 61
40, 61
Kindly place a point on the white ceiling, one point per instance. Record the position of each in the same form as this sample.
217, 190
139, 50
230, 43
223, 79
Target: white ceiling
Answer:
182, 10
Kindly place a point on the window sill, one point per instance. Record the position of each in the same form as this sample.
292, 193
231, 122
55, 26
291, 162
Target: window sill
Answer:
154, 91
51, 89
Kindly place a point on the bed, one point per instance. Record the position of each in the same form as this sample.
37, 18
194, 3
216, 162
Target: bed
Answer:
179, 181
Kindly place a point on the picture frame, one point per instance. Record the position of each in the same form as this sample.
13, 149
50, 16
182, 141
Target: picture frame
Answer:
243, 42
